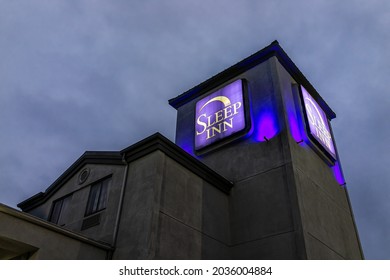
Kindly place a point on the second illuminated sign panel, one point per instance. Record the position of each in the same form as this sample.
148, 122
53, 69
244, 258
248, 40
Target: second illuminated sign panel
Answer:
317, 122
220, 115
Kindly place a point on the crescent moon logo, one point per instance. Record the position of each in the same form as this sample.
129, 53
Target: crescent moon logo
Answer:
223, 99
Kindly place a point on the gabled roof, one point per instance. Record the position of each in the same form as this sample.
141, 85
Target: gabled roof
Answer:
131, 153
274, 49
88, 157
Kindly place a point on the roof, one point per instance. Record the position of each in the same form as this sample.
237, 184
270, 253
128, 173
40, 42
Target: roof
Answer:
274, 49
159, 142
25, 217
129, 154
89, 157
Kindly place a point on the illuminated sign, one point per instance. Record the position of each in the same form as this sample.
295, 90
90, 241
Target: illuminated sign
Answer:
220, 115
317, 123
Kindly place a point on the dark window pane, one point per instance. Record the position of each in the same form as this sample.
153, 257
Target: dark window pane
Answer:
103, 194
98, 197
93, 199
60, 210
55, 214
64, 210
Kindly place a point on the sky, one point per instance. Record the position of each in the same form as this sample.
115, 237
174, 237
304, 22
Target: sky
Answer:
97, 75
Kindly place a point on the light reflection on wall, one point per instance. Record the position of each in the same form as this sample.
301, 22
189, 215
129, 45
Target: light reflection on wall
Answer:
338, 174
294, 124
266, 125
187, 146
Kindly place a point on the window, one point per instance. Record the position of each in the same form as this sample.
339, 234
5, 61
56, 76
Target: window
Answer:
60, 210
98, 196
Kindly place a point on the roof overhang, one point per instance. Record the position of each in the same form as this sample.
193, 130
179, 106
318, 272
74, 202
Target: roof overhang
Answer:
274, 49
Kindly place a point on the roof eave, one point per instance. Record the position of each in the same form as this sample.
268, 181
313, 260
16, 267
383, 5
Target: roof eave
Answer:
274, 49
89, 157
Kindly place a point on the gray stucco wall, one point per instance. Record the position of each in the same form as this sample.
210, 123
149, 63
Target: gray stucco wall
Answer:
138, 225
193, 214
171, 213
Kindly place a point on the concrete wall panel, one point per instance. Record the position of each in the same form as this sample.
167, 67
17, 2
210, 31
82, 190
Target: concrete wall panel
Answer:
177, 240
277, 247
137, 232
182, 194
260, 207
326, 221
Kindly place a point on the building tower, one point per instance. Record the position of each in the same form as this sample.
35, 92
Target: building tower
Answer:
264, 127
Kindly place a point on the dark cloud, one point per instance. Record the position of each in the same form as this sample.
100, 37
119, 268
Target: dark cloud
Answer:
96, 75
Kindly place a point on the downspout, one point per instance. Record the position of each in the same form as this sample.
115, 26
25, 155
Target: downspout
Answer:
118, 215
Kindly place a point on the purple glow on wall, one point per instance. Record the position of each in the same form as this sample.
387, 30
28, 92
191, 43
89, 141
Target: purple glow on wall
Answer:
318, 123
294, 125
186, 147
186, 144
338, 174
219, 115
266, 125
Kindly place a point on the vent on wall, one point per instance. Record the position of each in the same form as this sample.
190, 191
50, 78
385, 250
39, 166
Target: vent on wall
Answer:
91, 222
83, 176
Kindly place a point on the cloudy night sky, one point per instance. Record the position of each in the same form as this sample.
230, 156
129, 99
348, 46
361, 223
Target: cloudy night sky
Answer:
97, 75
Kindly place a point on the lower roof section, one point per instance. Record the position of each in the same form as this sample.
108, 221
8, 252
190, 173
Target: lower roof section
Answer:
21, 237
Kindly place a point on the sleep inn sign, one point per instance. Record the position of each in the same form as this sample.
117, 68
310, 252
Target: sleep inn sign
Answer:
220, 115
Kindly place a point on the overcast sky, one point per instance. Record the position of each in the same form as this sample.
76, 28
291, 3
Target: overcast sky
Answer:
96, 75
